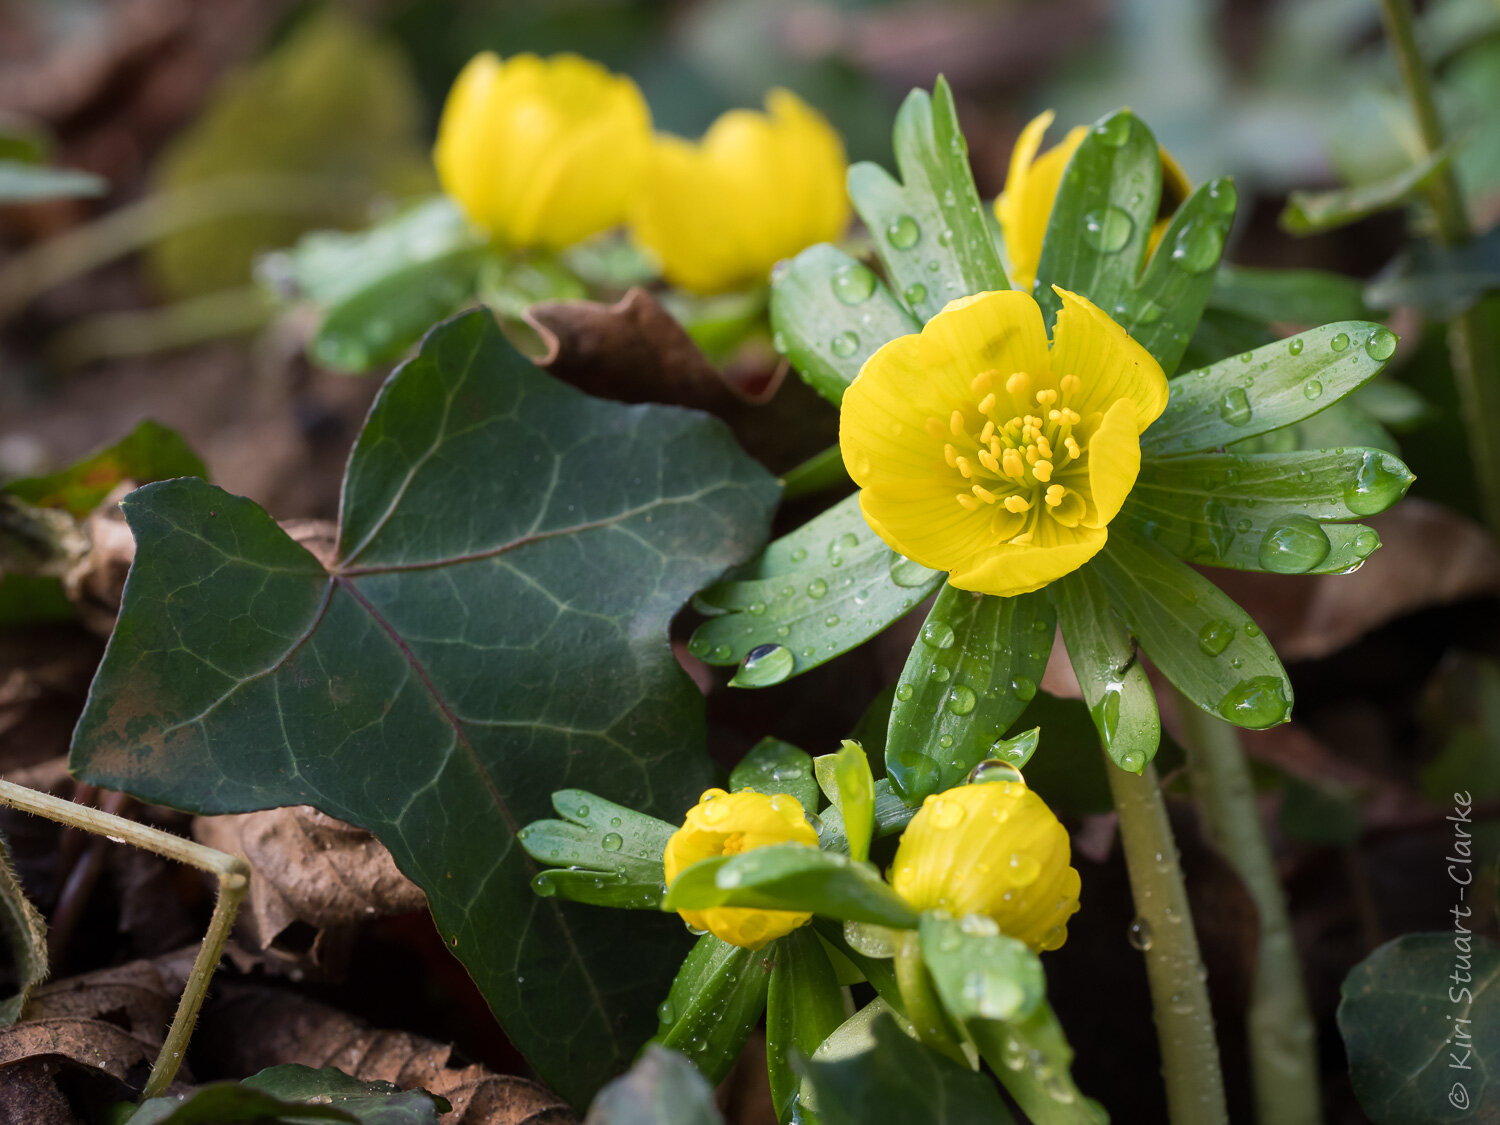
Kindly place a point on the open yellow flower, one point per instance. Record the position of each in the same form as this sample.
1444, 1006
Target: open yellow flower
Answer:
1031, 184
542, 152
727, 824
984, 454
995, 849
757, 188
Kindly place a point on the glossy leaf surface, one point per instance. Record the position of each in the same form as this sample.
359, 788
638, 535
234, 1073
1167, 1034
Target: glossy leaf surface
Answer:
715, 1003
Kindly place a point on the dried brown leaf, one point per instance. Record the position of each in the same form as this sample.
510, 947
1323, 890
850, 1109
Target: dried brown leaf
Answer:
246, 1028
310, 868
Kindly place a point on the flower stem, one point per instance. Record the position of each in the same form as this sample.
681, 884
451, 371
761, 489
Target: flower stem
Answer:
1471, 342
234, 879
1179, 998
922, 1004
1283, 1058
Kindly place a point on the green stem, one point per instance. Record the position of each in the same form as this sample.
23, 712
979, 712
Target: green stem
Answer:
234, 880
183, 324
1174, 969
820, 471
1470, 341
1283, 1056
922, 1004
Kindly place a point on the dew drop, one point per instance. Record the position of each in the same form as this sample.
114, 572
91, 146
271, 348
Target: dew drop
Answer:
1339, 342
1381, 345
870, 940
817, 588
665, 1012
763, 666
903, 233
904, 692
993, 769
1214, 637
1132, 761
1293, 545
1199, 246
778, 341
1116, 131
914, 294
1379, 482
1234, 408
961, 699
909, 574
1222, 195
1312, 389
844, 344
938, 634
831, 620
853, 284
1295, 347
1107, 230
798, 554
1365, 543
612, 842
946, 742
756, 609
1139, 935
940, 673
843, 543
1024, 688
945, 813
1255, 703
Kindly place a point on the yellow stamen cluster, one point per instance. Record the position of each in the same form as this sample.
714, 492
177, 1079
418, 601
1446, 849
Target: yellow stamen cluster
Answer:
1011, 463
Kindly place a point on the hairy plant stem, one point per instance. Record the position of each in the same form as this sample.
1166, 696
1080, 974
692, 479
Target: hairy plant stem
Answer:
234, 879
1282, 1039
1174, 969
1471, 339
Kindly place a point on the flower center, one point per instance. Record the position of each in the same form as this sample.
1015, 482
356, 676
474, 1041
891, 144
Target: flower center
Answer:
1011, 465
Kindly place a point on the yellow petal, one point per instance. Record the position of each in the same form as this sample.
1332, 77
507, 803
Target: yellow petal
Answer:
883, 421
1010, 569
1109, 364
1114, 461
999, 331
1030, 190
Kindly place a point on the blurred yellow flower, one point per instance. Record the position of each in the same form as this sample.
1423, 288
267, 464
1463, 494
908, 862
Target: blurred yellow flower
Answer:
542, 152
995, 849
984, 454
757, 188
727, 824
1025, 205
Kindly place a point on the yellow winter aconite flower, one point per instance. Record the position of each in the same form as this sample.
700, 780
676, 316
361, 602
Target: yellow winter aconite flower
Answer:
984, 454
542, 152
727, 824
757, 188
1025, 205
995, 849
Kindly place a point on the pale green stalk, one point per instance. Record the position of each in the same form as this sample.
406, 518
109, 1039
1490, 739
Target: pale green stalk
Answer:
1282, 1039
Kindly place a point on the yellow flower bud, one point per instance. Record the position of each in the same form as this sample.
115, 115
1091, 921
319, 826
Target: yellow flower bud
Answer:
757, 188
995, 849
727, 824
542, 152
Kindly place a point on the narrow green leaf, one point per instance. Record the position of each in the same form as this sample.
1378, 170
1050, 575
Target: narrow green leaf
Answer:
855, 788
791, 877
891, 813
1164, 308
981, 974
382, 321
24, 182
879, 971
930, 228
715, 1003
504, 541
1072, 784
1273, 386
809, 596
1115, 688
1312, 212
1400, 1018
1441, 281
600, 852
25, 936
1267, 511
969, 676
828, 315
1289, 296
1204, 643
290, 1094
1042, 1084
662, 1088
1102, 217
150, 452
899, 1080
803, 1007
773, 767
1346, 423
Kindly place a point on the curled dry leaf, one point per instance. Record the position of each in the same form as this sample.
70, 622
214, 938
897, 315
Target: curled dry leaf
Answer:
246, 1028
1429, 556
307, 867
95, 581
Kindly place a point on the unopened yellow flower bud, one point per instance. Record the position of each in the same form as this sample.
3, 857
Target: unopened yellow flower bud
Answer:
542, 152
727, 824
995, 849
757, 188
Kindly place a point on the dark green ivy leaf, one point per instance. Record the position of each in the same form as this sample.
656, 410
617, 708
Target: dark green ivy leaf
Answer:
492, 628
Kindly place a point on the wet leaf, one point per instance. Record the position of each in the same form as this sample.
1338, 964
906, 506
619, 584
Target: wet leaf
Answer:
773, 767
1288, 296
975, 666
1399, 1017
846, 779
601, 852
494, 626
831, 585
930, 228
1312, 212
662, 1088
715, 1003
803, 1007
